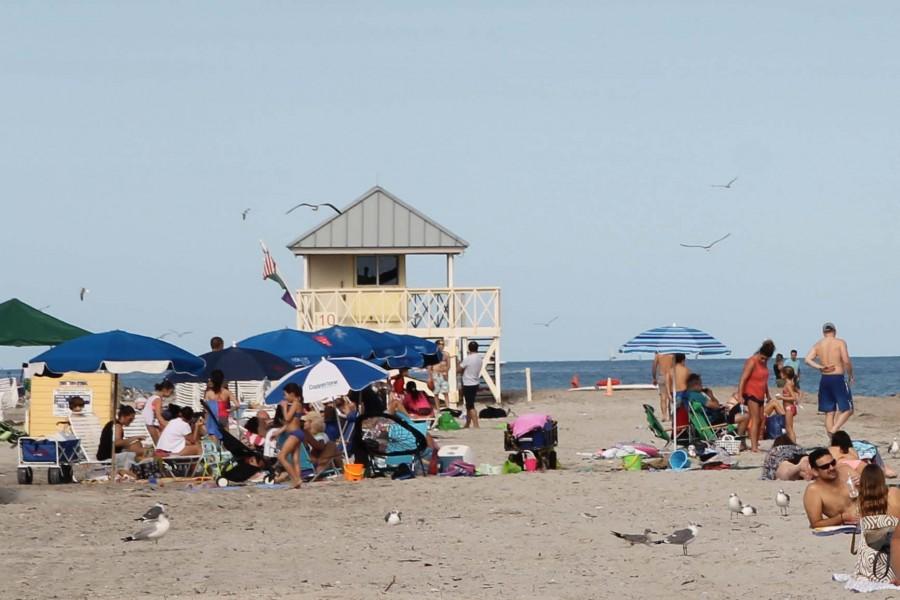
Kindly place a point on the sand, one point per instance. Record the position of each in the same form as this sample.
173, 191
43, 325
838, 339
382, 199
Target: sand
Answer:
505, 536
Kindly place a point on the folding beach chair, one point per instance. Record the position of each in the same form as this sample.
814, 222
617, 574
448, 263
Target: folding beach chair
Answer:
702, 429
406, 445
9, 393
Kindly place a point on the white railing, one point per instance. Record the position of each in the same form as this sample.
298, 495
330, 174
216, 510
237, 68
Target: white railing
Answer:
427, 312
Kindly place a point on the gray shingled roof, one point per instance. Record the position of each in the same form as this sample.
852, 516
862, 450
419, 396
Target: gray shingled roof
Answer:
379, 222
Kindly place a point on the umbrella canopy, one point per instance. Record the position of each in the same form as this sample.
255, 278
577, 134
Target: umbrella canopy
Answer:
675, 340
366, 342
328, 379
116, 352
239, 364
23, 325
299, 348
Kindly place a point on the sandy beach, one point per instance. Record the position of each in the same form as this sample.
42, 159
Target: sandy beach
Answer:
504, 536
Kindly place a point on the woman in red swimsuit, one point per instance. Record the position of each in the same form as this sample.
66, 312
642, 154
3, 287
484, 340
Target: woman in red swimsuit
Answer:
754, 389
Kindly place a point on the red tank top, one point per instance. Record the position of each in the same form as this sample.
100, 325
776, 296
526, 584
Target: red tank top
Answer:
758, 381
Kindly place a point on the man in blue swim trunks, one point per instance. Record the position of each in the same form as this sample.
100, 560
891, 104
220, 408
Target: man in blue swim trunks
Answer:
830, 356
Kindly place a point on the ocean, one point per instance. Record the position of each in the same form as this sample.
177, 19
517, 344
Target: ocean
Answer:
875, 376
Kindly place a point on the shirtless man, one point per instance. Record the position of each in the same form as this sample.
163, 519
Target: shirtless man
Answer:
439, 376
830, 356
661, 372
827, 499
680, 374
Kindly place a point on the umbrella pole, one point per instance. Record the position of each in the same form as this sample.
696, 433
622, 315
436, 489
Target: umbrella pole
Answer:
114, 409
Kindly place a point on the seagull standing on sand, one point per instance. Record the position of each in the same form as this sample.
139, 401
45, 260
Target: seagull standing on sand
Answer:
682, 537
748, 511
153, 512
727, 186
635, 538
315, 207
734, 505
708, 246
154, 530
84, 292
783, 501
393, 517
895, 448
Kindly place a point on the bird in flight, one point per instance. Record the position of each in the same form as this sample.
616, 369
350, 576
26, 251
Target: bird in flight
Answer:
84, 292
179, 334
315, 207
43, 308
244, 214
708, 246
727, 186
548, 323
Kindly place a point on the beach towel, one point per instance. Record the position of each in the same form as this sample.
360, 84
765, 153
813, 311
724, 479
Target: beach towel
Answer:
527, 422
855, 584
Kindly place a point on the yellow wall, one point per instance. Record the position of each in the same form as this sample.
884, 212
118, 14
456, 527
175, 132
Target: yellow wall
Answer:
42, 421
328, 271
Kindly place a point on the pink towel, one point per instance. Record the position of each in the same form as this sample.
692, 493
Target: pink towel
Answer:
527, 422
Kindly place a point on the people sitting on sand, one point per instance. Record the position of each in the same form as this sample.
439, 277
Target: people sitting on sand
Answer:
786, 461
130, 449
827, 499
416, 402
695, 392
255, 429
879, 512
181, 435
154, 406
323, 452
848, 455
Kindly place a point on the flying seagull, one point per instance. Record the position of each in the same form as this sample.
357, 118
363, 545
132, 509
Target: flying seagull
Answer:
734, 505
84, 292
153, 513
548, 323
634, 538
153, 531
244, 214
179, 334
315, 207
393, 517
783, 501
727, 186
681, 537
43, 308
706, 246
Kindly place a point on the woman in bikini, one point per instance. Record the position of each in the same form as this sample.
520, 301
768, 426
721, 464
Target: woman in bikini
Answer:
219, 400
790, 398
292, 409
753, 389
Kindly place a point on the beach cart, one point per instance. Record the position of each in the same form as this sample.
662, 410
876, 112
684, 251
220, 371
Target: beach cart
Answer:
57, 456
539, 441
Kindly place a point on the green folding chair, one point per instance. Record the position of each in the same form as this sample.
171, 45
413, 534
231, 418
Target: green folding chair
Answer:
655, 426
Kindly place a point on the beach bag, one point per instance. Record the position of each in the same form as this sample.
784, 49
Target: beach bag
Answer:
459, 468
775, 426
873, 561
492, 412
446, 422
729, 444
510, 467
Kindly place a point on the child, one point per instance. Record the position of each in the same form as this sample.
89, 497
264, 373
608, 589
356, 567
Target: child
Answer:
790, 396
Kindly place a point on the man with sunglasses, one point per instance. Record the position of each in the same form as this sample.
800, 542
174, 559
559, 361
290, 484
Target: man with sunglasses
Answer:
827, 499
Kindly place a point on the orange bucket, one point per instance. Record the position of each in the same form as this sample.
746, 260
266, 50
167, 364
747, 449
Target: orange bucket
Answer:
354, 471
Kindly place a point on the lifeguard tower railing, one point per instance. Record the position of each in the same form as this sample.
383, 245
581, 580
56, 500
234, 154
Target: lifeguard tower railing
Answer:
454, 314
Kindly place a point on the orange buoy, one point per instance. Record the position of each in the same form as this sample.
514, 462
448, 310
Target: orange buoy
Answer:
576, 382
609, 385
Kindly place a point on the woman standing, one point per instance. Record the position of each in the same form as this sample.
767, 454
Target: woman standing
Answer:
218, 400
153, 408
753, 389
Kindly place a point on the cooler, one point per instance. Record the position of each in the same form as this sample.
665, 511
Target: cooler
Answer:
448, 454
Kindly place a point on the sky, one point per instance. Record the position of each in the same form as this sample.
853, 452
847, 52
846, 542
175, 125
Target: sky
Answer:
572, 145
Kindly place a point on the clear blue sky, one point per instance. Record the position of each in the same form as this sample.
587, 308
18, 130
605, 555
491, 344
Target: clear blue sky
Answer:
573, 145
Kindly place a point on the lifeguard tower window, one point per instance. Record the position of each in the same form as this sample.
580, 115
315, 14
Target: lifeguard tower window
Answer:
377, 270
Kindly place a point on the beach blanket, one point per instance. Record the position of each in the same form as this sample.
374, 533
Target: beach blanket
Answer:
861, 585
522, 425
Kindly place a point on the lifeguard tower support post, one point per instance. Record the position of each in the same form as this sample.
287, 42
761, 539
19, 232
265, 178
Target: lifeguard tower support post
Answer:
354, 273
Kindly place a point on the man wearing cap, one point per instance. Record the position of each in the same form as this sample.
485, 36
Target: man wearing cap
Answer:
830, 356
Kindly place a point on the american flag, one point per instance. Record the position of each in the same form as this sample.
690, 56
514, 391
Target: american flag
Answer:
269, 267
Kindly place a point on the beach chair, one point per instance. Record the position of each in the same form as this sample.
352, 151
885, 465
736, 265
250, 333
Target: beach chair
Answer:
683, 431
406, 445
701, 428
87, 428
250, 393
9, 393
189, 394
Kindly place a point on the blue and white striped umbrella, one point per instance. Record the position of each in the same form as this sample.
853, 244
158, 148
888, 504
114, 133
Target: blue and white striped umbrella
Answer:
675, 340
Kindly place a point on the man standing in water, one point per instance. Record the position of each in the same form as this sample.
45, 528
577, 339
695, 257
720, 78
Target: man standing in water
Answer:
661, 372
830, 356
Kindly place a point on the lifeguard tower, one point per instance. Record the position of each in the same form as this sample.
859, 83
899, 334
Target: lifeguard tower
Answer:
354, 273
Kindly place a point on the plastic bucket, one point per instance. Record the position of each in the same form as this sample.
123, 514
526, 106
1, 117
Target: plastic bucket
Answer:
632, 462
679, 461
531, 464
354, 471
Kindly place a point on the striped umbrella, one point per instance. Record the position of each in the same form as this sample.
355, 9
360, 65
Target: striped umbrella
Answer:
674, 339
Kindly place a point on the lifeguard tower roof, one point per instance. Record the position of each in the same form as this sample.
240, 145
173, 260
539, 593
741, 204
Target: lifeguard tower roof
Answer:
378, 223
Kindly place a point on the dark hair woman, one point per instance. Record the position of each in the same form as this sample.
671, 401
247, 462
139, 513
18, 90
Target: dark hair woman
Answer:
154, 406
219, 401
879, 509
753, 389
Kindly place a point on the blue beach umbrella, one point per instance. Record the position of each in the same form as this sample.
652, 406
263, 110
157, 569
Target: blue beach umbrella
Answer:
299, 348
239, 364
350, 341
116, 352
328, 379
675, 340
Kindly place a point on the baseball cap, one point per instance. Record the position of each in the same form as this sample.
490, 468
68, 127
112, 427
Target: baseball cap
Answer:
829, 326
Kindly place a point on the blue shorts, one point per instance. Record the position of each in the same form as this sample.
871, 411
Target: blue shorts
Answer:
834, 394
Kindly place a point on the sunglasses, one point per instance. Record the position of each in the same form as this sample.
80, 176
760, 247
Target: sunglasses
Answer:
827, 466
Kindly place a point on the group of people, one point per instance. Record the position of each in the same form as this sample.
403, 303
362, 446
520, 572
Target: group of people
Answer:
753, 402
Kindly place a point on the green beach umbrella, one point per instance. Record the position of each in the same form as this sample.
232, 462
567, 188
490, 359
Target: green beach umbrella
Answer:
23, 325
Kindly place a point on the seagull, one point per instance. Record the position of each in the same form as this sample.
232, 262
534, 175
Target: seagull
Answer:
548, 323
244, 214
153, 513
708, 246
895, 448
634, 538
727, 186
783, 501
84, 292
179, 334
153, 531
748, 511
43, 308
315, 207
393, 517
734, 505
681, 537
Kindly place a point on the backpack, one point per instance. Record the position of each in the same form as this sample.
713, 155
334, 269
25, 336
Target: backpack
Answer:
491, 412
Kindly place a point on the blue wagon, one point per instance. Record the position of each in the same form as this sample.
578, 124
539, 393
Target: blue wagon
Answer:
57, 456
